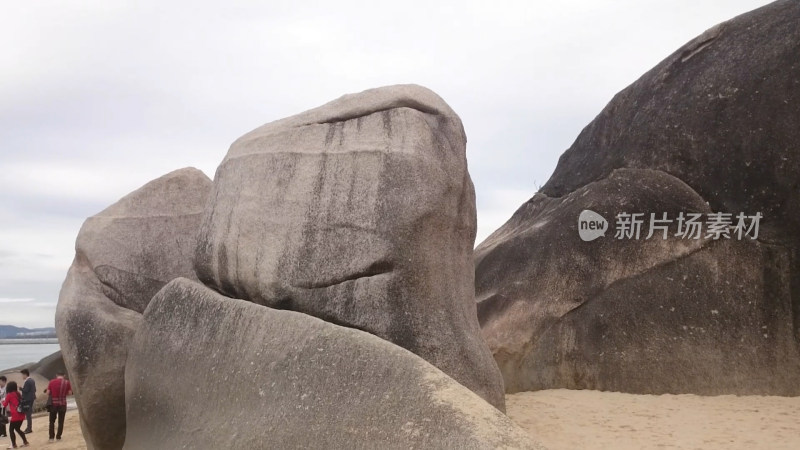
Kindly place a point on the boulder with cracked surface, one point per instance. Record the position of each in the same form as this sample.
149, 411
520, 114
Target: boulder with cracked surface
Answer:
713, 128
123, 256
360, 212
289, 380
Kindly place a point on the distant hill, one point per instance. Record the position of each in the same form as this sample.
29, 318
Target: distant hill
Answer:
12, 332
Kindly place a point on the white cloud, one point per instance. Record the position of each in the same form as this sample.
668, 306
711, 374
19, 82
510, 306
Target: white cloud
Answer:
45, 305
15, 300
28, 317
499, 205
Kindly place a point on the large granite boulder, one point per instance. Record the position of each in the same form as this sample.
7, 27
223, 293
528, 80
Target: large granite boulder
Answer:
360, 212
49, 366
714, 128
123, 256
268, 378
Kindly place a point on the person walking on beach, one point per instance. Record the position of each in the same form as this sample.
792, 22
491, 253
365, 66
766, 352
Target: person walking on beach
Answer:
28, 397
59, 388
3, 414
12, 401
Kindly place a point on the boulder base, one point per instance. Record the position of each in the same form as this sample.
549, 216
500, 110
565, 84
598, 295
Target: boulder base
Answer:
266, 378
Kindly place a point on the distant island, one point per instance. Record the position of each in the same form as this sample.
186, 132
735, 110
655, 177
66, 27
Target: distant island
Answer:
12, 332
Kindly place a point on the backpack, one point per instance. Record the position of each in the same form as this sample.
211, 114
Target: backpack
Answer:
21, 407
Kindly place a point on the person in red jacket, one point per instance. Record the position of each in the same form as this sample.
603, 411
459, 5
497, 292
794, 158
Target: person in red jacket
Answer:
59, 388
12, 401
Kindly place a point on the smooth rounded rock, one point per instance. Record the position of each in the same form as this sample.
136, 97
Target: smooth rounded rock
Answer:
266, 378
123, 256
360, 212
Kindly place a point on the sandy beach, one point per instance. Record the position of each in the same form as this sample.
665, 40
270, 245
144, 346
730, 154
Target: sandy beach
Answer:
71, 439
564, 419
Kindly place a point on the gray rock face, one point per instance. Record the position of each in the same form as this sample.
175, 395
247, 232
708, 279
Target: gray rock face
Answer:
306, 383
123, 256
49, 366
362, 213
720, 114
714, 127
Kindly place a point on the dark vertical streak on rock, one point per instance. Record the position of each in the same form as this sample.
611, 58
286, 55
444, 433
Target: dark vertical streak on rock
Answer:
387, 122
329, 135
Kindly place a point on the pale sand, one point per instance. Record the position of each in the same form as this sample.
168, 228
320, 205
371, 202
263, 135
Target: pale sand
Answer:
71, 439
563, 419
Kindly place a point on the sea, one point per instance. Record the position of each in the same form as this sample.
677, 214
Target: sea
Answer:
16, 352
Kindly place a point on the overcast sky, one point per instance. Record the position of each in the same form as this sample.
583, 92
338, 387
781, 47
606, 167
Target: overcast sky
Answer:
99, 97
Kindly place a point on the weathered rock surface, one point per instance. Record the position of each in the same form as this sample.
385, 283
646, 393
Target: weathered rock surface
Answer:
49, 366
714, 127
360, 212
281, 379
720, 114
123, 256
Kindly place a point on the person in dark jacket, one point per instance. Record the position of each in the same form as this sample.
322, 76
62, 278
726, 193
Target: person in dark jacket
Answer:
28, 397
